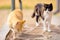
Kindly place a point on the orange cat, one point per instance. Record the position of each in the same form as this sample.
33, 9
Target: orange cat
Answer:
15, 21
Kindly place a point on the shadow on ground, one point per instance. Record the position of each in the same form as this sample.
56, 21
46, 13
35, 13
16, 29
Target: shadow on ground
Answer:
37, 35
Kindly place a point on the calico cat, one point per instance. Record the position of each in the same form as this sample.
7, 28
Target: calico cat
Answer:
43, 11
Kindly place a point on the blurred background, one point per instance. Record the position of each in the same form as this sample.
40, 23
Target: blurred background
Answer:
27, 6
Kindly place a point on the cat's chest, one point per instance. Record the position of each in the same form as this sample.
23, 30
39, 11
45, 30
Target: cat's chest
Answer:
46, 14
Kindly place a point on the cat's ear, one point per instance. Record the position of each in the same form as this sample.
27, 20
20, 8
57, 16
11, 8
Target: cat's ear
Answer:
50, 4
22, 21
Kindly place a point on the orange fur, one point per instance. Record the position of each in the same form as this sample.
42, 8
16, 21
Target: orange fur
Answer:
15, 20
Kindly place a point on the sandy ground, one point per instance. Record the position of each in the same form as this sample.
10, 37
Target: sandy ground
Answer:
31, 24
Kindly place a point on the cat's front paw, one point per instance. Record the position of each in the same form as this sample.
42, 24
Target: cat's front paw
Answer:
37, 24
14, 37
44, 29
49, 30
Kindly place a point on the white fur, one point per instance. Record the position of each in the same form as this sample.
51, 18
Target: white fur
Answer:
44, 25
37, 24
47, 20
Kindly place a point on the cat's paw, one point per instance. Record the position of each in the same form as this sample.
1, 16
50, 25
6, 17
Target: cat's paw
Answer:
49, 30
14, 37
44, 29
37, 24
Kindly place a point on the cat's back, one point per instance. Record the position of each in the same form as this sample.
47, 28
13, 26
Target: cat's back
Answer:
15, 15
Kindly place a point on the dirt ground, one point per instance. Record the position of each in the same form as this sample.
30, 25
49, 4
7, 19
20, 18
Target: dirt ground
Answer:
37, 33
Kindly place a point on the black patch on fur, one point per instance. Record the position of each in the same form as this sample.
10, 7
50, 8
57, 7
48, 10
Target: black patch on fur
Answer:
33, 15
48, 6
38, 10
37, 17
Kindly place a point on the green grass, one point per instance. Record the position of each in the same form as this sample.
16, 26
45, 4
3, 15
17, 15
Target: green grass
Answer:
5, 7
9, 7
27, 7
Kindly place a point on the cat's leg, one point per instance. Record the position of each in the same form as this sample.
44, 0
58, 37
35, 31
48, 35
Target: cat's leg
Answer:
49, 24
13, 33
37, 19
44, 25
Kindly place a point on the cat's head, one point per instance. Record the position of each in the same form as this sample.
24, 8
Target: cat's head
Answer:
48, 6
19, 25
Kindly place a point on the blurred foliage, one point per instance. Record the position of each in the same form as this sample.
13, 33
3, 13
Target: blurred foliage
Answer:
27, 4
5, 7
